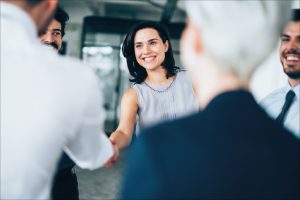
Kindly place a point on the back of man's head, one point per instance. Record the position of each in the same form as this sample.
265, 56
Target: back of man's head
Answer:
32, 3
41, 11
238, 35
28, 3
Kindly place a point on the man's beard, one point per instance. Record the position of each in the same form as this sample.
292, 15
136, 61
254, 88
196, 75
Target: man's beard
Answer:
52, 44
293, 75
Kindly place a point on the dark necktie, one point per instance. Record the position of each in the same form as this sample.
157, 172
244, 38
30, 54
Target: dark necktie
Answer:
287, 104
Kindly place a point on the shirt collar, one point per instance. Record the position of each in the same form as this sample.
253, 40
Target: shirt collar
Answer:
20, 17
296, 89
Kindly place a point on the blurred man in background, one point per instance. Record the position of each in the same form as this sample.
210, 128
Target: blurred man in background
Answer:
231, 149
284, 104
55, 31
65, 184
48, 103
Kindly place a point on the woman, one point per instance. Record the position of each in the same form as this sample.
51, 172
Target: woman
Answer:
161, 91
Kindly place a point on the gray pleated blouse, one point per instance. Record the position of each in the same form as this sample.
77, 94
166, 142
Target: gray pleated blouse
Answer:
158, 103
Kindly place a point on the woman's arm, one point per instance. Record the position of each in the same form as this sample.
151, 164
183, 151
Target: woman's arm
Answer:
129, 106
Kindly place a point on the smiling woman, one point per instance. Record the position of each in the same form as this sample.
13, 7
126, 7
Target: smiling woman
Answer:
144, 39
161, 91
149, 49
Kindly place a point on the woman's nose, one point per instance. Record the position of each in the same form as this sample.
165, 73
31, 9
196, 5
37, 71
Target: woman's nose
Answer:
146, 49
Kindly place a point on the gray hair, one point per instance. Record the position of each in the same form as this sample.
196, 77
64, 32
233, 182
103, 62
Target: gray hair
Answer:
239, 35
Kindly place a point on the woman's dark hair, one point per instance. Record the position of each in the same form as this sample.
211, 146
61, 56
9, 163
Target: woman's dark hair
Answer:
138, 72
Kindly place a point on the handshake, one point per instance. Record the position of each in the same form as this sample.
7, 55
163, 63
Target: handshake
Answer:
114, 157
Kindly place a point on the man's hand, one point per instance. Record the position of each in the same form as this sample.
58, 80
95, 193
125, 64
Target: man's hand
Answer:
114, 158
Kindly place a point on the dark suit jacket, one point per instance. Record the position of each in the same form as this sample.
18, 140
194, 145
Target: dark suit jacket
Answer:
64, 163
231, 150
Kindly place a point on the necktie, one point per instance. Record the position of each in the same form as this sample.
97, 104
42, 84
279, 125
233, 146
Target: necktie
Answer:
287, 104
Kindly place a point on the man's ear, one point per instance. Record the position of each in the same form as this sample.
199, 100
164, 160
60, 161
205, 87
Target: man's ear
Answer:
49, 5
43, 13
190, 46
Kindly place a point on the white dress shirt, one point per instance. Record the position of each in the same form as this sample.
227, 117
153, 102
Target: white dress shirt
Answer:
48, 104
274, 102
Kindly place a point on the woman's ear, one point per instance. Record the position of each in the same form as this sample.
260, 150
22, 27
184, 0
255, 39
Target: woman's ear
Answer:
166, 45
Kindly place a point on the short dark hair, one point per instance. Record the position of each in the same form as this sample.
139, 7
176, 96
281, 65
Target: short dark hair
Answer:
32, 3
295, 15
62, 17
139, 73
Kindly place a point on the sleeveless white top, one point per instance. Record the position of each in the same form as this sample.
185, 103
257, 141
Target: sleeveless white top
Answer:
158, 103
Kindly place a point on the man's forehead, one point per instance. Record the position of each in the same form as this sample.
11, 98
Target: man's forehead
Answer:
54, 24
292, 28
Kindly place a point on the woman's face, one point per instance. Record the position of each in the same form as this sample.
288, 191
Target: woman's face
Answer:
149, 48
